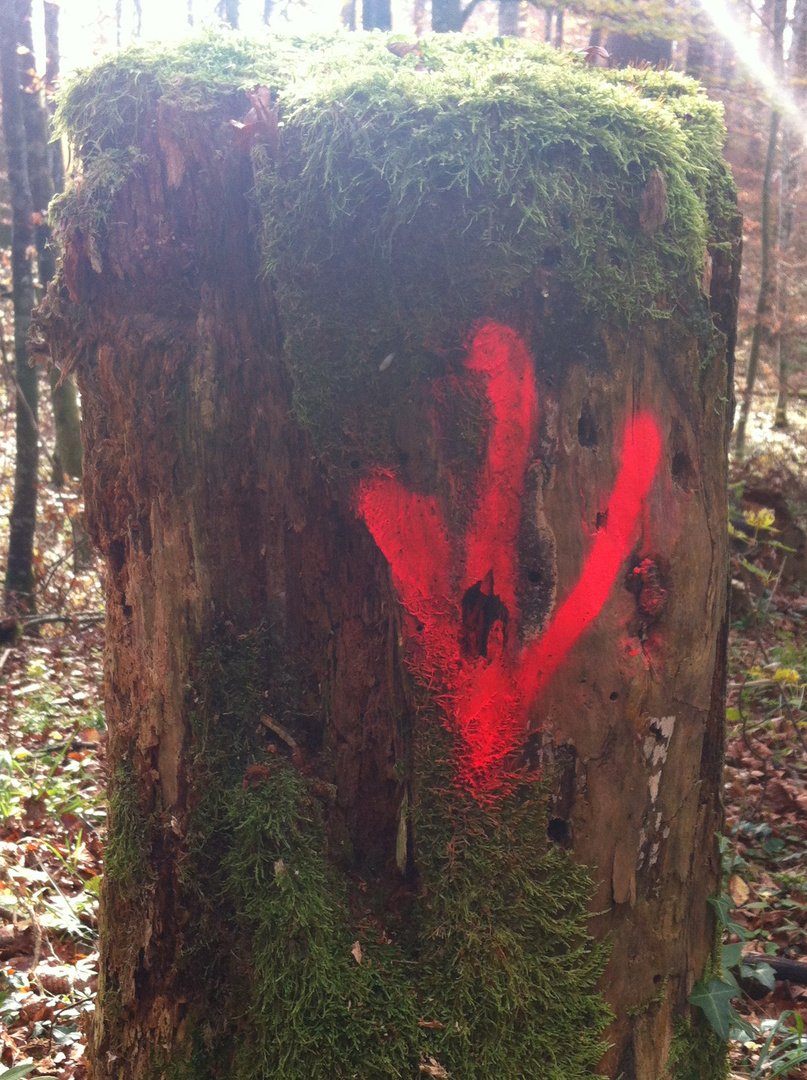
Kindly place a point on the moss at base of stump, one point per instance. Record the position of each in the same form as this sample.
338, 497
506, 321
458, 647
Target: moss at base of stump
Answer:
483, 967
697, 1053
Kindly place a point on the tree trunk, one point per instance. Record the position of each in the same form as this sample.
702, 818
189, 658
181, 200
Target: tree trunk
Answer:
416, 614
634, 49
508, 18
558, 41
376, 15
765, 310
67, 458
19, 581
766, 286
52, 78
228, 10
447, 16
788, 181
788, 187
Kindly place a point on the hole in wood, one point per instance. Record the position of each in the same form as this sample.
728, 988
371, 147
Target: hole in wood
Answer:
558, 832
587, 427
481, 610
614, 695
117, 555
682, 470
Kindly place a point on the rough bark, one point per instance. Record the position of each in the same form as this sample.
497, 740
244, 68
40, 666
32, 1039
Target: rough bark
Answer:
19, 581
215, 517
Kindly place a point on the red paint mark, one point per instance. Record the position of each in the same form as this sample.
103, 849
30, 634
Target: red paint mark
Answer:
652, 596
460, 593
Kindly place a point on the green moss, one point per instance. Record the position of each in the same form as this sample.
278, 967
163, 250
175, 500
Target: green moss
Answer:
492, 953
416, 195
128, 848
697, 1053
506, 963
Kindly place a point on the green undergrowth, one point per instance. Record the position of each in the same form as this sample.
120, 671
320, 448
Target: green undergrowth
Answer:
486, 969
413, 196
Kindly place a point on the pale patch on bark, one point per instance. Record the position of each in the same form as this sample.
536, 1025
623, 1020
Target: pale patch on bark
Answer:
655, 747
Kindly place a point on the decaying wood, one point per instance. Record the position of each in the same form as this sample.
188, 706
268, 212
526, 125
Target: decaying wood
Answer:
210, 510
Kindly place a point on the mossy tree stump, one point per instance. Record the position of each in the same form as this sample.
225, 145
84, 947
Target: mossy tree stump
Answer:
406, 400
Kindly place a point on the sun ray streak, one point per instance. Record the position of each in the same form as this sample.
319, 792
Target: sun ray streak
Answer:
745, 47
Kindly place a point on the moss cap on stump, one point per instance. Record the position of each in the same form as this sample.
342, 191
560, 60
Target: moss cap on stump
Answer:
412, 195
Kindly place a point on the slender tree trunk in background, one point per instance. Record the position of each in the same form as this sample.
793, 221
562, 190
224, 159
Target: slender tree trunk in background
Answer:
64, 396
376, 15
787, 186
19, 581
52, 72
421, 18
558, 42
228, 10
118, 22
766, 287
792, 156
508, 18
548, 25
765, 310
139, 23
446, 16
268, 8
190, 13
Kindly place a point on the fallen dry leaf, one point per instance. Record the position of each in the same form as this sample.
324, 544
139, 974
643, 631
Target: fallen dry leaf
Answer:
356, 950
432, 1067
738, 890
779, 796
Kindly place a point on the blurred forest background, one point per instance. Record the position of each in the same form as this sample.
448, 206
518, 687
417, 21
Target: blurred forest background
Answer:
749, 54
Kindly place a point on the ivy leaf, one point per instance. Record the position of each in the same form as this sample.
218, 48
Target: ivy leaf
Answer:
723, 905
732, 954
715, 1002
761, 973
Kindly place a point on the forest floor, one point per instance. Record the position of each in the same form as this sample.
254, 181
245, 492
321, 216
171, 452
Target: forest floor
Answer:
53, 774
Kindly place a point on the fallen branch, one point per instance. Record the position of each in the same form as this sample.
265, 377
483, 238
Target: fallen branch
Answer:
785, 970
82, 618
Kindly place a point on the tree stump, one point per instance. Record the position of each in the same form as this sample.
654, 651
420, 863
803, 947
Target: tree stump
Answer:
406, 381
